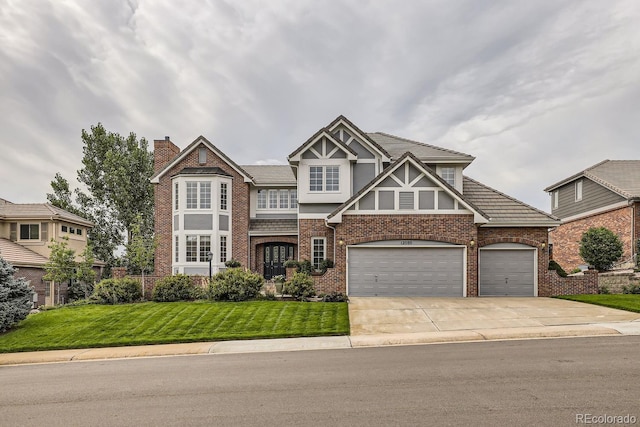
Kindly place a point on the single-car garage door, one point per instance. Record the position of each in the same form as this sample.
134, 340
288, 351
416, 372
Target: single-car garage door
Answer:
507, 270
390, 271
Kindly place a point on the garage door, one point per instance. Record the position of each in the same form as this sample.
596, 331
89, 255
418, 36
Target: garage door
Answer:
507, 271
383, 271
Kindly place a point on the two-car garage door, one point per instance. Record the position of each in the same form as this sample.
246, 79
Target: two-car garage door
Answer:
406, 271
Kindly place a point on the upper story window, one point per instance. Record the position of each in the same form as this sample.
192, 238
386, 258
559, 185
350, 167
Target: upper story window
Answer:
29, 231
449, 175
202, 156
273, 199
578, 190
324, 178
223, 196
198, 195
176, 197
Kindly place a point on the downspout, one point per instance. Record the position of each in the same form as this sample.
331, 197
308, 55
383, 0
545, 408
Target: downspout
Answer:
298, 213
326, 223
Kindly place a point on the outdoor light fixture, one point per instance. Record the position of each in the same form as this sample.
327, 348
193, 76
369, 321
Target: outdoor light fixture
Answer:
209, 257
341, 242
543, 245
472, 243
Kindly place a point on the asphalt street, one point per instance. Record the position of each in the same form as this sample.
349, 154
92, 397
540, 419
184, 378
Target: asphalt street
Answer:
542, 382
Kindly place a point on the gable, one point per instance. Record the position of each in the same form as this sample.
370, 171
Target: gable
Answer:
359, 141
200, 142
407, 187
322, 145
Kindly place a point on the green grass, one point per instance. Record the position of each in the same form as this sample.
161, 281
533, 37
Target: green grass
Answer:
161, 323
629, 302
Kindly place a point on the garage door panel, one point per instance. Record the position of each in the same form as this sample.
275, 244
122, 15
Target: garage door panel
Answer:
406, 272
507, 273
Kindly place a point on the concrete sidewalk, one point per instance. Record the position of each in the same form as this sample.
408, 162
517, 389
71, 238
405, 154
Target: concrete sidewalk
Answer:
399, 321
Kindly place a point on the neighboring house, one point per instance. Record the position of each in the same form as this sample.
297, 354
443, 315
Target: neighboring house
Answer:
397, 217
26, 231
605, 195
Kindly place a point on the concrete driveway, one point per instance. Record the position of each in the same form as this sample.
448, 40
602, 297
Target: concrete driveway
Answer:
402, 315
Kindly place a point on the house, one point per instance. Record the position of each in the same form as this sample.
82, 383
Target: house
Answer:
397, 217
606, 194
26, 231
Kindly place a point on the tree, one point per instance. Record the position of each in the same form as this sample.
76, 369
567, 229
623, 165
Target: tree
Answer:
600, 247
116, 172
15, 297
140, 249
85, 276
61, 266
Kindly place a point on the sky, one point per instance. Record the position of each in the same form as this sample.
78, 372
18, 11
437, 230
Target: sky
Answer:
535, 90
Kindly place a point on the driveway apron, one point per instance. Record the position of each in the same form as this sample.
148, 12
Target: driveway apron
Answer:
399, 315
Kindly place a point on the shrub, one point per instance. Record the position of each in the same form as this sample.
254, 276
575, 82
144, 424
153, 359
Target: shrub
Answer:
291, 263
232, 263
576, 270
300, 287
176, 288
117, 291
638, 254
15, 297
305, 267
80, 290
334, 297
325, 264
600, 247
604, 290
631, 289
558, 268
235, 285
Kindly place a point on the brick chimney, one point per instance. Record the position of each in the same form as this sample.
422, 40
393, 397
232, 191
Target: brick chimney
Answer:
163, 152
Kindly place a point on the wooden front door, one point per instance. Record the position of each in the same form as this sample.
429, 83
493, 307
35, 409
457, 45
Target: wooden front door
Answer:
275, 254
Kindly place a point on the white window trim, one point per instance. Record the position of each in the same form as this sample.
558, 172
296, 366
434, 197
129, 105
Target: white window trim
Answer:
324, 179
268, 192
555, 199
578, 190
324, 249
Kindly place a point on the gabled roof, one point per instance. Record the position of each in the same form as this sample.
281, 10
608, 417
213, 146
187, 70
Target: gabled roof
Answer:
505, 210
322, 133
200, 140
20, 256
342, 120
619, 176
397, 146
39, 211
479, 216
271, 174
203, 171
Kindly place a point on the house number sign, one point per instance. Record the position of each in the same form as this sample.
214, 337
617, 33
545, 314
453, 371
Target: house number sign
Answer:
406, 242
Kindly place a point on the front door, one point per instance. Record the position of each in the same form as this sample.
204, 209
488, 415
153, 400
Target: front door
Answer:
275, 254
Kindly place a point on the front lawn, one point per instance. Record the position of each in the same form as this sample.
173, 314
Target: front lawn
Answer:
629, 302
161, 323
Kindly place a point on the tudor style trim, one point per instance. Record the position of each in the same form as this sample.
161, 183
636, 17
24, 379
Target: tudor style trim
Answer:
322, 133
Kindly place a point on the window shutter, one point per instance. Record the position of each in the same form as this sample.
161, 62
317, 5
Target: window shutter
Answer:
44, 232
13, 231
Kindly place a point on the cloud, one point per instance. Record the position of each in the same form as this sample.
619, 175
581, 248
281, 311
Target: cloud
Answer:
536, 91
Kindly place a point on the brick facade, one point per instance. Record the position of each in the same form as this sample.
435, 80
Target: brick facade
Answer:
164, 208
566, 237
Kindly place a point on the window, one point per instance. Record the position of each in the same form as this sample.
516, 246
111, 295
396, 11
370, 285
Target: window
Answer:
578, 190
205, 248
223, 196
318, 251
315, 178
555, 199
195, 189
192, 195
177, 249
205, 195
324, 178
223, 248
284, 199
176, 204
202, 156
29, 231
333, 178
262, 199
273, 199
79, 231
72, 230
64, 229
192, 249
449, 175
